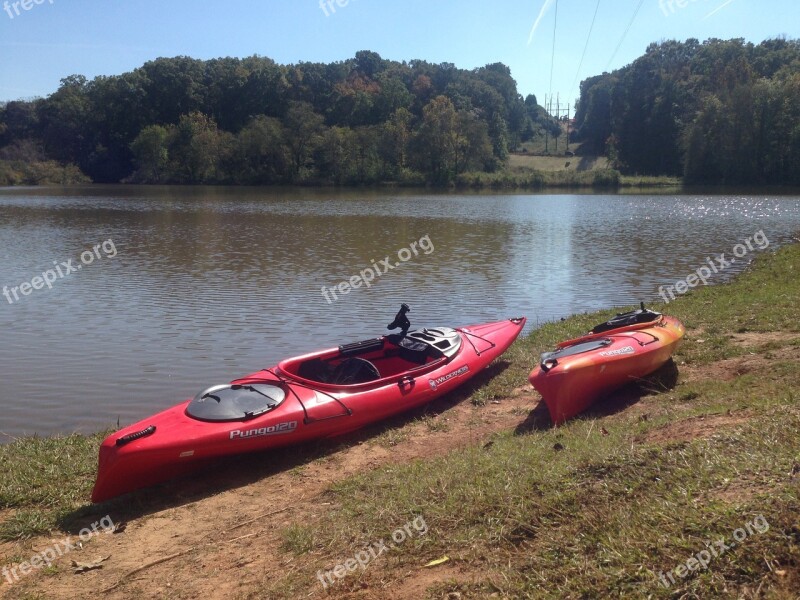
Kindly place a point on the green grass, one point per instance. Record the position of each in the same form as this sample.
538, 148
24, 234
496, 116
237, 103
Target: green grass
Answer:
522, 177
532, 162
42, 480
599, 517
650, 181
536, 180
297, 539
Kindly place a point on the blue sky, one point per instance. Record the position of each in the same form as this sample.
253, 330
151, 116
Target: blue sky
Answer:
57, 38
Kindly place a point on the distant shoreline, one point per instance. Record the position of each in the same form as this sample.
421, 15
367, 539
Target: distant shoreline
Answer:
627, 185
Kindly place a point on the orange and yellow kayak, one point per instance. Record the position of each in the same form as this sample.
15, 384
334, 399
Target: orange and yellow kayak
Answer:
581, 371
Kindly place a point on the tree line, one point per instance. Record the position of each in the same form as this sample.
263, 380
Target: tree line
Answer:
713, 112
253, 121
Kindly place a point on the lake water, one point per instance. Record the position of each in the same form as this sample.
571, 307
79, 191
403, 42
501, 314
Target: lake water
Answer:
180, 288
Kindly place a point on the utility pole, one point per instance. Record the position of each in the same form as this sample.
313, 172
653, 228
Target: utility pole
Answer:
558, 117
546, 130
568, 124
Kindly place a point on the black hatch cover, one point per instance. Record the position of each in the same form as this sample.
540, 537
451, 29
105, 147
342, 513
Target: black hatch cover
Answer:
223, 403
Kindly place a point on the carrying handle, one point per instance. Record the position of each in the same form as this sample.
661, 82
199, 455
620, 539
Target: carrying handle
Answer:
548, 364
406, 381
132, 437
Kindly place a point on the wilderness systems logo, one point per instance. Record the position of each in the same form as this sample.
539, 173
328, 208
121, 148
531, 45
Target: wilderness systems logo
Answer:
435, 383
619, 352
278, 429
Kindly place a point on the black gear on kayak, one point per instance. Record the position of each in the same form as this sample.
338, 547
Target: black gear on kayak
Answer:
635, 317
401, 320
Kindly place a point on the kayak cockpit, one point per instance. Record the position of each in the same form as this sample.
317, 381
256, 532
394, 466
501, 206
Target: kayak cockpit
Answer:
384, 358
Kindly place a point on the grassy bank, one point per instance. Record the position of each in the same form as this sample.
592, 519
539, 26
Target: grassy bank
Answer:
522, 173
17, 172
600, 507
527, 179
42, 480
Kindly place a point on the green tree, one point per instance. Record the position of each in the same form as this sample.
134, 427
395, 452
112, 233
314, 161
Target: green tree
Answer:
62, 119
395, 139
303, 130
151, 152
336, 155
198, 150
438, 140
475, 150
393, 96
261, 153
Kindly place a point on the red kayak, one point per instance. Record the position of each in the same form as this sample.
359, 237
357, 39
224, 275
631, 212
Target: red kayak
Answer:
315, 396
627, 348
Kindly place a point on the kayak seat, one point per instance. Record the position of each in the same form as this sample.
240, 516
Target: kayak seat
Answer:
353, 371
316, 370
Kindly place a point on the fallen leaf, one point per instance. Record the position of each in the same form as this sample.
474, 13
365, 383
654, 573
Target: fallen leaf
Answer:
90, 566
437, 562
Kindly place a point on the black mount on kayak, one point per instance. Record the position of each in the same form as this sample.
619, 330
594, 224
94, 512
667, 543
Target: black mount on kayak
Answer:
635, 317
401, 320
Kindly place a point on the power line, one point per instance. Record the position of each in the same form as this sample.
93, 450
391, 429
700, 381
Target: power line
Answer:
625, 34
586, 47
553, 53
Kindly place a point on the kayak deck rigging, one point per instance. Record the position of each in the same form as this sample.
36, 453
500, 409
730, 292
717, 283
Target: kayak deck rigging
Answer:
306, 419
